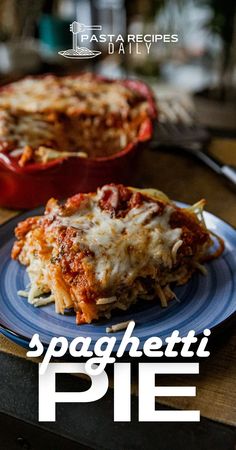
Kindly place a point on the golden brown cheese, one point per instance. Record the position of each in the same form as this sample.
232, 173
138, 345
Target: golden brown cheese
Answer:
106, 250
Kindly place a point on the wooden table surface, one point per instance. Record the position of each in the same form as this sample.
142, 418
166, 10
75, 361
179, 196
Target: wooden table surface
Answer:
185, 179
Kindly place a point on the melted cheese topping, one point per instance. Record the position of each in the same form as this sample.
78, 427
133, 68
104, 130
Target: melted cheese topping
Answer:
69, 114
123, 248
67, 95
96, 252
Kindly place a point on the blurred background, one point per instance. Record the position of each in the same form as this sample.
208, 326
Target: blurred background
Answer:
194, 79
203, 60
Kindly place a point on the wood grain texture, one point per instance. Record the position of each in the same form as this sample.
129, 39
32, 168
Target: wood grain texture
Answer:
6, 214
185, 179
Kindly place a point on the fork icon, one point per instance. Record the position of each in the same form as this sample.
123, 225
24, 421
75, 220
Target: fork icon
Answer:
77, 27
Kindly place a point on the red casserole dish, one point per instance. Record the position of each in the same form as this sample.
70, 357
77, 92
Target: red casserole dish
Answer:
32, 185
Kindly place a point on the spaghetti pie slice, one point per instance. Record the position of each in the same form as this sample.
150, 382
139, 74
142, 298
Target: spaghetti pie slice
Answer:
106, 250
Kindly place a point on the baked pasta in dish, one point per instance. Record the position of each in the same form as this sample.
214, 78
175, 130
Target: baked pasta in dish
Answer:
106, 250
50, 117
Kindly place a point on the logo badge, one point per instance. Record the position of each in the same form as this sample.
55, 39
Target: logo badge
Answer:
78, 52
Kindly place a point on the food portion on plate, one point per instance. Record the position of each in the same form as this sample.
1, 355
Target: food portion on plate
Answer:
50, 117
104, 251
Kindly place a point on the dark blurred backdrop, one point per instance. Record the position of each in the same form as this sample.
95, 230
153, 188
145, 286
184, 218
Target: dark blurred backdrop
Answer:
202, 62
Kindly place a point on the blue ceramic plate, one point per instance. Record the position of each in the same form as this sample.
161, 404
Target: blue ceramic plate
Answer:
204, 302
